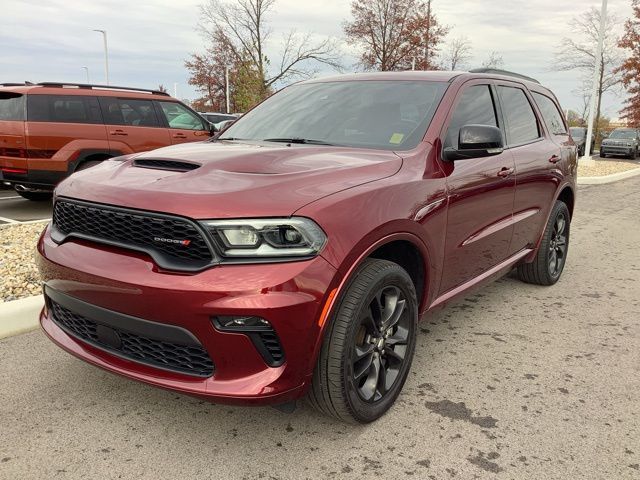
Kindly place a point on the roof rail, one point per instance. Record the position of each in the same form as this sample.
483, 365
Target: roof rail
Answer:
10, 84
497, 71
101, 87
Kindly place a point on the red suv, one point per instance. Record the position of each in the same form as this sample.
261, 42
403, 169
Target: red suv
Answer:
294, 254
50, 130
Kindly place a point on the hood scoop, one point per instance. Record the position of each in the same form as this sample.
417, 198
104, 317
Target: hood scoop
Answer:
171, 165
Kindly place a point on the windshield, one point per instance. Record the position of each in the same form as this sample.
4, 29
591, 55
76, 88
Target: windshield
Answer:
623, 134
577, 132
390, 115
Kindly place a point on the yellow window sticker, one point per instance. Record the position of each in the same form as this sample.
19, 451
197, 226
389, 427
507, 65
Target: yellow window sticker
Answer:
396, 138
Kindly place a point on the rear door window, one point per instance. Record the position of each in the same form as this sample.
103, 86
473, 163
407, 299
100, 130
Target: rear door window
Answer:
550, 113
474, 108
125, 111
63, 109
11, 106
520, 121
179, 116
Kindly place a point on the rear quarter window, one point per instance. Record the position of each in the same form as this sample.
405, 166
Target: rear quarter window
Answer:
63, 109
11, 106
550, 113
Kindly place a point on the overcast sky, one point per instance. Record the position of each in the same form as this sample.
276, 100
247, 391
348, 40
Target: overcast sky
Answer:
149, 39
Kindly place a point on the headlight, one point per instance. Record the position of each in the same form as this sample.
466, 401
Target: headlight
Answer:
267, 237
629, 144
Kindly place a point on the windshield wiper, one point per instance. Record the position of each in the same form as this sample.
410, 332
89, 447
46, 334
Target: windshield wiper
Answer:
307, 141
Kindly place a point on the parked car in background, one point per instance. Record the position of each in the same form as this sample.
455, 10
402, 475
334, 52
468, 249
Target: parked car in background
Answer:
50, 130
621, 141
216, 117
579, 135
295, 253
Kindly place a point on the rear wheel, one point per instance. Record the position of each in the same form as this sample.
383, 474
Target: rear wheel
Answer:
369, 345
35, 196
552, 254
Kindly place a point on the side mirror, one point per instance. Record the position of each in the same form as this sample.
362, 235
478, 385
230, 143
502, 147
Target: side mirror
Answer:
212, 129
476, 141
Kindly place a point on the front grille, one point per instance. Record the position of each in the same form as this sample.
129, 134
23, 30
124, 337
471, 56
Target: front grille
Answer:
172, 165
189, 359
174, 242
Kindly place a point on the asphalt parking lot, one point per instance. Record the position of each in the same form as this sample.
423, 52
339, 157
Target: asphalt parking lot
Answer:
14, 208
514, 382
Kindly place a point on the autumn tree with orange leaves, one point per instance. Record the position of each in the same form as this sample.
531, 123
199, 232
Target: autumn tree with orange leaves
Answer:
630, 68
395, 34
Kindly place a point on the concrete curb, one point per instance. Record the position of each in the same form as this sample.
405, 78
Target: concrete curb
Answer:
20, 316
608, 178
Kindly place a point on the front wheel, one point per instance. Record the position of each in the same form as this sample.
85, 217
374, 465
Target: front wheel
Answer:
369, 345
549, 262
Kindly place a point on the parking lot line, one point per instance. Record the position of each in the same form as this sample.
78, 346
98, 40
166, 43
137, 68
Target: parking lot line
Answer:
7, 220
10, 198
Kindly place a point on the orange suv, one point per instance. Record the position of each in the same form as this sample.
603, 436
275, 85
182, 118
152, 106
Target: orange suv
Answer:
50, 130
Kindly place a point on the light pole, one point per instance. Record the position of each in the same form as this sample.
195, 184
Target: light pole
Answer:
86, 69
226, 86
594, 91
106, 53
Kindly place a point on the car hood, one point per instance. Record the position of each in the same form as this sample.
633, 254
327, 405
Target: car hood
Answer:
232, 179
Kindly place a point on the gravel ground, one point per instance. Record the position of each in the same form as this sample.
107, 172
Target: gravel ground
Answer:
19, 277
606, 167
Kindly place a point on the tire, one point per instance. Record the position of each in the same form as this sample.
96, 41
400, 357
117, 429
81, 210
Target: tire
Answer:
545, 268
35, 196
349, 388
602, 154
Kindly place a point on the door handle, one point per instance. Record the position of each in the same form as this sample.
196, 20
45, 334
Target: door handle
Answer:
118, 132
179, 135
505, 172
555, 159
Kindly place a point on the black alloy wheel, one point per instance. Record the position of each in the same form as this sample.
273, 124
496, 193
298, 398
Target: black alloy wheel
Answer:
558, 245
380, 346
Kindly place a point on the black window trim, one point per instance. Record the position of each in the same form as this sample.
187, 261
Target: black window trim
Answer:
541, 130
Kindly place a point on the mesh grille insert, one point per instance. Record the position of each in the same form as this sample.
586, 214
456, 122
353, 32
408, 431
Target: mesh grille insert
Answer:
174, 242
189, 359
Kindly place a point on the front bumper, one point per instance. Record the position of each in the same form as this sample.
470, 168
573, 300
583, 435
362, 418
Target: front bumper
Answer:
616, 149
290, 296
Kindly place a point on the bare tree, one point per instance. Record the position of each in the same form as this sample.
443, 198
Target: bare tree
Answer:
494, 60
458, 52
242, 26
579, 53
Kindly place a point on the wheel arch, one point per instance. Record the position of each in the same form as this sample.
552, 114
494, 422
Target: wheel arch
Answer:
388, 248
565, 194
